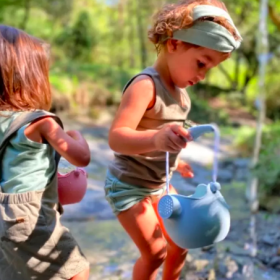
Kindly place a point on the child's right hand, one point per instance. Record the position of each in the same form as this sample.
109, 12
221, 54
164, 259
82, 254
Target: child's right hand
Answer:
171, 138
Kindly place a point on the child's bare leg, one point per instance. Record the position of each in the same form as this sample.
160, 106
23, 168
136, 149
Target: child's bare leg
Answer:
84, 275
141, 223
176, 256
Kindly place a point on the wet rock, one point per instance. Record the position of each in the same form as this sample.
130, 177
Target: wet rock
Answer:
264, 259
227, 267
241, 175
236, 249
232, 268
191, 277
222, 269
277, 236
268, 240
248, 271
241, 162
212, 275
225, 176
274, 262
240, 261
200, 264
209, 249
202, 177
227, 163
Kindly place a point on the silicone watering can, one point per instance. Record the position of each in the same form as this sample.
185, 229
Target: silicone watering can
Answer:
72, 186
201, 219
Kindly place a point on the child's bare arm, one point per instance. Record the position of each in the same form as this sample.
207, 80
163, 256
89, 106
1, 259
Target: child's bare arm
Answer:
123, 136
71, 145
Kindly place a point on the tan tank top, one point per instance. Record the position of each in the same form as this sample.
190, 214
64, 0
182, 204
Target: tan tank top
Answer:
148, 169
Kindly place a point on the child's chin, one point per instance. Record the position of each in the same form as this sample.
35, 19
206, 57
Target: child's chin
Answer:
183, 85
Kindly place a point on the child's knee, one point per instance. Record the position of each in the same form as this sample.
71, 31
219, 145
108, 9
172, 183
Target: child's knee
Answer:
156, 257
174, 249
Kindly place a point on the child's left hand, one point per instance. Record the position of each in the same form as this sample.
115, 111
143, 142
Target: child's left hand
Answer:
185, 169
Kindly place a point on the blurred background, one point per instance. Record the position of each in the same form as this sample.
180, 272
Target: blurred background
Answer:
97, 45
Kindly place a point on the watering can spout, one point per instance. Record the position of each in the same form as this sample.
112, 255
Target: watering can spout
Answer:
169, 207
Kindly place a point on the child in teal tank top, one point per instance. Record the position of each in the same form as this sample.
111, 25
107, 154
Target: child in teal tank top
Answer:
33, 242
27, 165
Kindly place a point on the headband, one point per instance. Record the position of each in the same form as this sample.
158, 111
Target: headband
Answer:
209, 34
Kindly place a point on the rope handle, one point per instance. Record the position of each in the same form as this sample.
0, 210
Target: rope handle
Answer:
195, 132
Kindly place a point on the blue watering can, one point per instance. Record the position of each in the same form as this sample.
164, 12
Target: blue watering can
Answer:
201, 219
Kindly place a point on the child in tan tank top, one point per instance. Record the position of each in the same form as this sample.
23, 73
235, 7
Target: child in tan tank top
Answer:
191, 37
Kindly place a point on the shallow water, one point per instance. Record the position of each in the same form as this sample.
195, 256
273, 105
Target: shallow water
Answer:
111, 252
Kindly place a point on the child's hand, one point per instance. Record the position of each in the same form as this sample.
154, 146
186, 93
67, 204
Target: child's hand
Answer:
185, 169
71, 144
171, 138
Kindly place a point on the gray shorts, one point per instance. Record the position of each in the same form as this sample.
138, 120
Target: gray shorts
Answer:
33, 242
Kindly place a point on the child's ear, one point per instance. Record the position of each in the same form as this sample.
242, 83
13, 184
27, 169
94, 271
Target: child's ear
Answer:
172, 45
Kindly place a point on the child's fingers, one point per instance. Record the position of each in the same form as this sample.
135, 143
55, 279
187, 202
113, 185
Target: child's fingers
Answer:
181, 131
188, 167
187, 174
176, 140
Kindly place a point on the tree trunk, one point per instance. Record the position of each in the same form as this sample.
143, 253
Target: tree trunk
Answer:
132, 28
252, 189
26, 14
237, 69
141, 35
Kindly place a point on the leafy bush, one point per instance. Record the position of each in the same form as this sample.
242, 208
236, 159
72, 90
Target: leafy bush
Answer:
108, 76
201, 112
268, 167
79, 41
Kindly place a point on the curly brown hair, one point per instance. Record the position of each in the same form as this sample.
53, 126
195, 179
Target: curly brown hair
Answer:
173, 17
24, 67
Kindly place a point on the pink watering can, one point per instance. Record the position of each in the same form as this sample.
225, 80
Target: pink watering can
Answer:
72, 186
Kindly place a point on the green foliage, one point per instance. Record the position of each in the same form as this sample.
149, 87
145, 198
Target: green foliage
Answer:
115, 33
201, 112
268, 167
111, 77
78, 41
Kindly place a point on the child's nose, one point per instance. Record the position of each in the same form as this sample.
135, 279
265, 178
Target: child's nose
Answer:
201, 76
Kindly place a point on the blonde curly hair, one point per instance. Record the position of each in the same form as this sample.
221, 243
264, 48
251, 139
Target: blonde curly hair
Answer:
173, 17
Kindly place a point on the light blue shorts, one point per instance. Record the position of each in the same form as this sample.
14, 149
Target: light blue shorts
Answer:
122, 196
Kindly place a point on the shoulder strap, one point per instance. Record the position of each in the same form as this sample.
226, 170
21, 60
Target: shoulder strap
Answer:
146, 72
20, 121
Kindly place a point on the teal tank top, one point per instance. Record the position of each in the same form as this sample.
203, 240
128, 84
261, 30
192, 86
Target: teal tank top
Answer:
26, 165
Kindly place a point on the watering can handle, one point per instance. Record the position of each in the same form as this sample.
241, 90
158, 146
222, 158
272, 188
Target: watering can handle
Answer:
195, 132
199, 130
